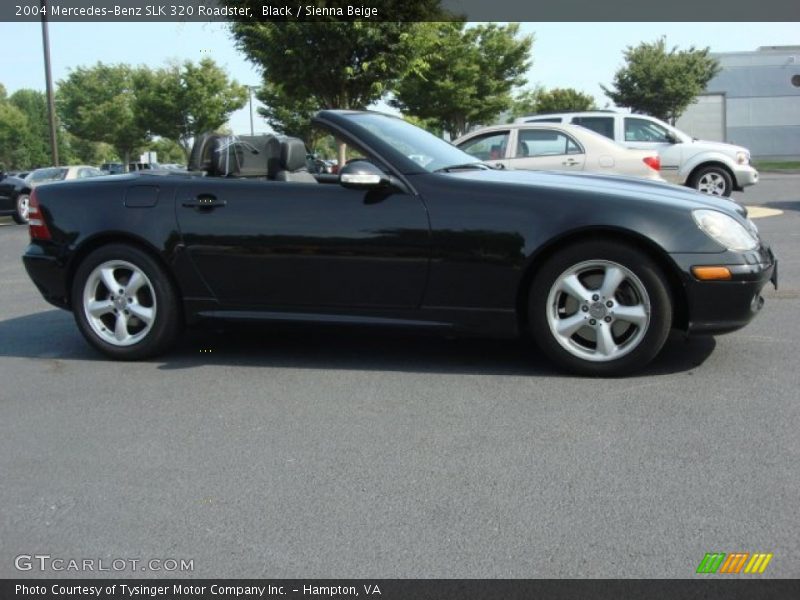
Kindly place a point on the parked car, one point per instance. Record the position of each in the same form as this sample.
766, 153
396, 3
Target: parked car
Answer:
173, 167
113, 168
558, 147
64, 173
15, 192
710, 167
597, 268
14, 197
143, 166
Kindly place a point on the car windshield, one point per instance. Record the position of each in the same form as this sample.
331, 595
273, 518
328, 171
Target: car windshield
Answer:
425, 149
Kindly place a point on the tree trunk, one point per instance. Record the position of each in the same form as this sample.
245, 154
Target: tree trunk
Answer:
126, 157
342, 154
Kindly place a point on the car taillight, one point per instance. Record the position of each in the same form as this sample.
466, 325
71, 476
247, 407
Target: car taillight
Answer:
654, 162
37, 227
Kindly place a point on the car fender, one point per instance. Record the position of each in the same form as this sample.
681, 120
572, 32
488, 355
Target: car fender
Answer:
702, 158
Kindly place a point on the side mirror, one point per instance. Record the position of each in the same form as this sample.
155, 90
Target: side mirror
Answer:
362, 175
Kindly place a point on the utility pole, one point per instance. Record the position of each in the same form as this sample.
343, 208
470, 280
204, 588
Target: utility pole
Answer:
51, 105
250, 91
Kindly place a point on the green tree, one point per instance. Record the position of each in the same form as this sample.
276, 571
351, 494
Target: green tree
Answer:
526, 102
99, 104
467, 77
179, 102
14, 136
327, 64
34, 104
539, 100
661, 83
87, 152
288, 116
565, 99
168, 151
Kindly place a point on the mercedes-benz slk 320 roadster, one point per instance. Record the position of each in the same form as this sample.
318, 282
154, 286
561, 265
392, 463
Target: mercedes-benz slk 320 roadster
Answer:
414, 233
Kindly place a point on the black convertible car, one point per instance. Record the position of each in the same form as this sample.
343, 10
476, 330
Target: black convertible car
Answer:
416, 234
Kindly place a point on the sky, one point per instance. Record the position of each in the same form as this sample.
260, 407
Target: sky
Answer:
577, 55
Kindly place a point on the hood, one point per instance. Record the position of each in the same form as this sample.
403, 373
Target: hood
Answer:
633, 188
722, 147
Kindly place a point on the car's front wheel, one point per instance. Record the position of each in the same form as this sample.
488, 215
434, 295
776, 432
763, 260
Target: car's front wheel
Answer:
124, 303
22, 209
713, 180
600, 308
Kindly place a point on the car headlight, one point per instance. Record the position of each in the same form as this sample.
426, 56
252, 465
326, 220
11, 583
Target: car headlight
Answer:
742, 158
725, 230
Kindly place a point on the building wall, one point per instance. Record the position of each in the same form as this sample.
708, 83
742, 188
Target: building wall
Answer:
762, 101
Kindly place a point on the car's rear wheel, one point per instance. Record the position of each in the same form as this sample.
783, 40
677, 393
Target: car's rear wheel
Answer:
124, 303
22, 209
600, 308
714, 181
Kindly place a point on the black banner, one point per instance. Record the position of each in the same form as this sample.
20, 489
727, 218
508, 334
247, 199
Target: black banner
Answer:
403, 589
399, 10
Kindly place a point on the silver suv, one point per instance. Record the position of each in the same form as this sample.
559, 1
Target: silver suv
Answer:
710, 167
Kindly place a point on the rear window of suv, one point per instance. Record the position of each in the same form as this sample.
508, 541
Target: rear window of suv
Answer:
602, 125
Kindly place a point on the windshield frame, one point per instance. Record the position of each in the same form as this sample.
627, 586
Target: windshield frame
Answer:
376, 145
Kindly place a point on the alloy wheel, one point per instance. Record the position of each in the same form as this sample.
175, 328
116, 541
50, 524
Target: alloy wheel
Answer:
119, 303
712, 183
598, 310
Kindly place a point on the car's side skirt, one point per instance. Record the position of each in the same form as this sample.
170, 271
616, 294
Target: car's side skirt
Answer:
491, 323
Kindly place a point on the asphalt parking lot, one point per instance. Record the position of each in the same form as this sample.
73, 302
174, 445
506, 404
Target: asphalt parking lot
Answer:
300, 453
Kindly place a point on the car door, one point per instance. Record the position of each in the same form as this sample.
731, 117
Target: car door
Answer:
645, 134
545, 149
492, 147
278, 244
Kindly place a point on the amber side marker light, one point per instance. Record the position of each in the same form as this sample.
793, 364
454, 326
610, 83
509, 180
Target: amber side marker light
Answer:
712, 273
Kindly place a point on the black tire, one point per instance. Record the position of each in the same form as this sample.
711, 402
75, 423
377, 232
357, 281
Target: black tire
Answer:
158, 292
712, 178
20, 213
574, 351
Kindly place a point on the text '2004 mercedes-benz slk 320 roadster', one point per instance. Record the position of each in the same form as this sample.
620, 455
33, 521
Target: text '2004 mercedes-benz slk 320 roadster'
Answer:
412, 233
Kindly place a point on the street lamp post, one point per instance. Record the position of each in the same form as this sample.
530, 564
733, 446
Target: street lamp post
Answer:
250, 89
51, 105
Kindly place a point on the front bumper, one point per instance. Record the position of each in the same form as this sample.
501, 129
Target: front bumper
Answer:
716, 307
745, 175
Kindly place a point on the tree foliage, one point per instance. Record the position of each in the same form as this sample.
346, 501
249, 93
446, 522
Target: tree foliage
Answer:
181, 101
86, 152
168, 151
332, 64
34, 104
467, 75
287, 115
309, 66
565, 99
99, 104
14, 136
659, 82
539, 100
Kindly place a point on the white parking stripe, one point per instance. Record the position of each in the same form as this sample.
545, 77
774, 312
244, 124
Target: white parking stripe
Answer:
759, 212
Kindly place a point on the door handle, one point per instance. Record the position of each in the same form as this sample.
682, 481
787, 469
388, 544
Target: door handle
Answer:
570, 162
205, 202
